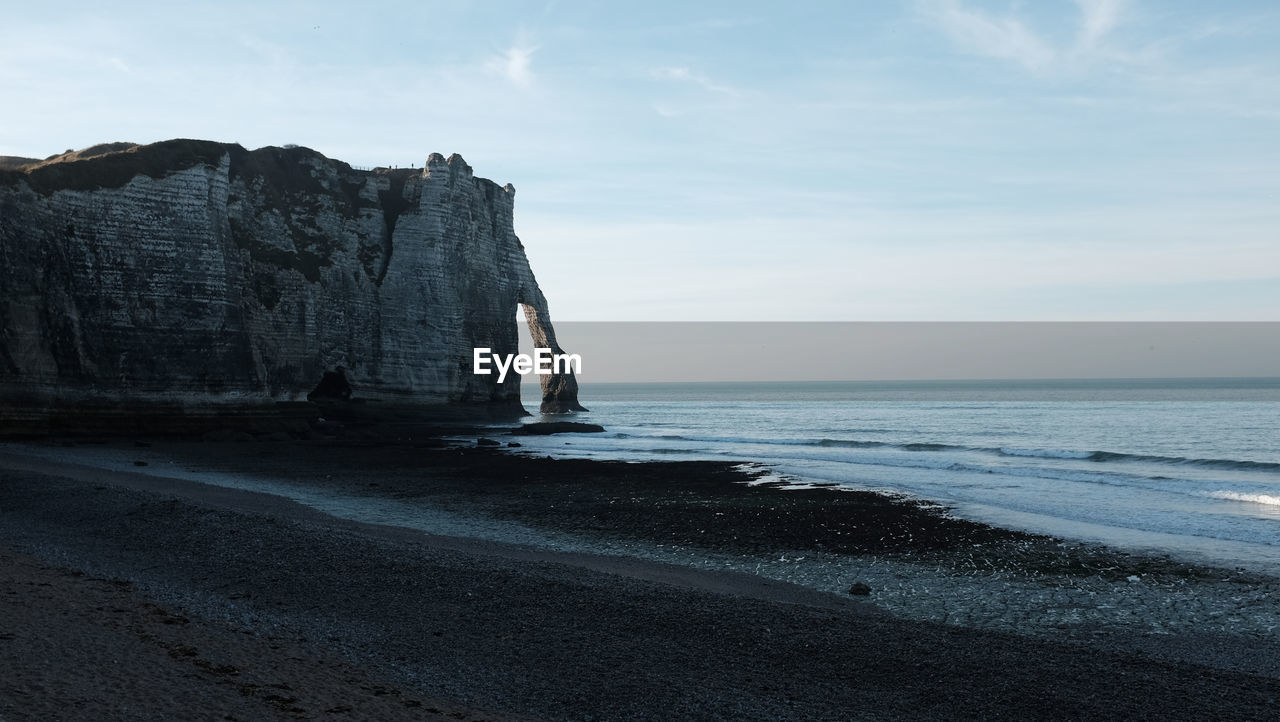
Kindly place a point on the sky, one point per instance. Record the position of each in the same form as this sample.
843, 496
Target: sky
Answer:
936, 160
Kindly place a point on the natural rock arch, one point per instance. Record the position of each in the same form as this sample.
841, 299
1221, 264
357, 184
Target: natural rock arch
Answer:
559, 391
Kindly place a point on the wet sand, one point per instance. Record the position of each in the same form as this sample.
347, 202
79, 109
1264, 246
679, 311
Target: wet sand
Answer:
485, 628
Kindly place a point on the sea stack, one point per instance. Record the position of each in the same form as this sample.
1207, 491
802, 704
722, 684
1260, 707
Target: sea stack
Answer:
188, 279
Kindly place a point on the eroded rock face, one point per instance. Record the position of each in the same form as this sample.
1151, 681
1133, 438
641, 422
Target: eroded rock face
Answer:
192, 274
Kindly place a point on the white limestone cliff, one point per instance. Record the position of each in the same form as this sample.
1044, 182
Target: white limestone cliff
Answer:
191, 275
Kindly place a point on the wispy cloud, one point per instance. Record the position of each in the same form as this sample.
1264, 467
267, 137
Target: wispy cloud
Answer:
1100, 17
710, 24
1008, 37
685, 75
515, 64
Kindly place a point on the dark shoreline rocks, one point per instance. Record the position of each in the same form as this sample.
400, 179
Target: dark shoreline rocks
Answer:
544, 428
319, 418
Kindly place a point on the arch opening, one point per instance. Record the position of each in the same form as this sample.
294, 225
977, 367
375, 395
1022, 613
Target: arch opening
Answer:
558, 390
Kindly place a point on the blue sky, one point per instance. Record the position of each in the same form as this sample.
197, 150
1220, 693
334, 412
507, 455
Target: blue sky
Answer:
931, 160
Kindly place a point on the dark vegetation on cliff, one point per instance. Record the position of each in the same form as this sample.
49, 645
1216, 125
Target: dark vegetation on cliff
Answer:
111, 165
11, 162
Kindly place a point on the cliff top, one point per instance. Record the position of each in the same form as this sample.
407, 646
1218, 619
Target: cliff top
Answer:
112, 165
13, 162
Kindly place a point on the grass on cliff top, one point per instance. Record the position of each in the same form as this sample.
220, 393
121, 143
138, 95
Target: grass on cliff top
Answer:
112, 165
26, 165
93, 151
16, 162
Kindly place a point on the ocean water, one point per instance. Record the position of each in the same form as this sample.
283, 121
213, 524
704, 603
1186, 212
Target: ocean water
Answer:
1187, 467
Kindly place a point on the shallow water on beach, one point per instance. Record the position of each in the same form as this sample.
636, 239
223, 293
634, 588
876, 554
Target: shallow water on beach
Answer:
1189, 467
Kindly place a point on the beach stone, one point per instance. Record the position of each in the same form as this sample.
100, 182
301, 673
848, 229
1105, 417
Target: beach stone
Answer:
859, 589
486, 442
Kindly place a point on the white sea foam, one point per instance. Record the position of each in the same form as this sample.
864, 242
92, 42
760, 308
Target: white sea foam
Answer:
1267, 499
1047, 453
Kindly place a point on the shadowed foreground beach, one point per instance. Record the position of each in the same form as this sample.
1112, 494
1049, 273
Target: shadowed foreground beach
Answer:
132, 595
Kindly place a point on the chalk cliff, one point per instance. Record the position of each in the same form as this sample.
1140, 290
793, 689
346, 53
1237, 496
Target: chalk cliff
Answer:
194, 277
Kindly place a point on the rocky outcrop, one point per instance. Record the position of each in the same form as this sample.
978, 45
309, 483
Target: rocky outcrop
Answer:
197, 277
546, 428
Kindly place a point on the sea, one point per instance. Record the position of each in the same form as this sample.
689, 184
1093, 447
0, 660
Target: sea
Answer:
1183, 467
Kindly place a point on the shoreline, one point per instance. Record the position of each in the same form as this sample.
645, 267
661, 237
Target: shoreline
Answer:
712, 527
